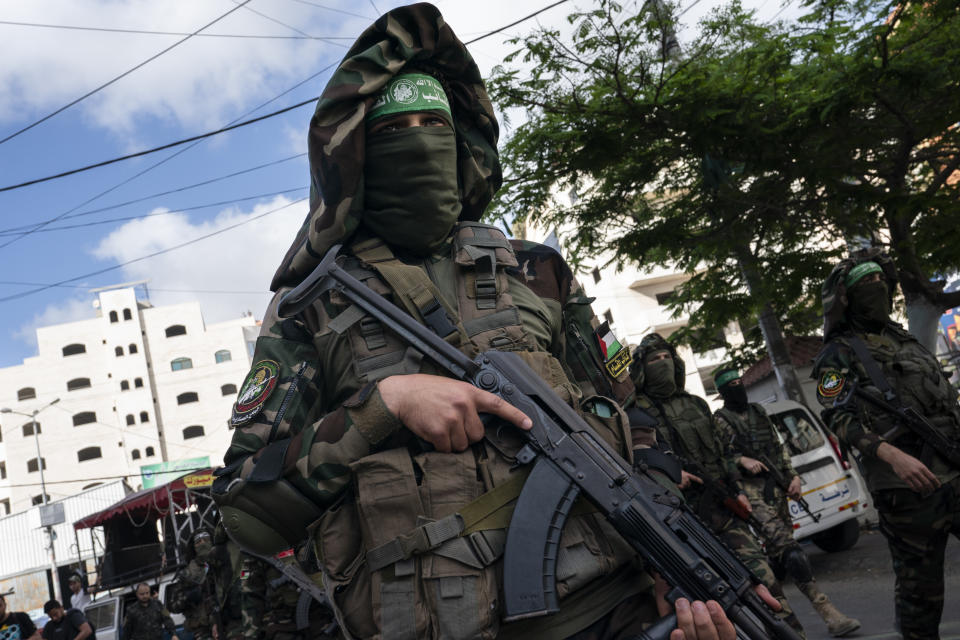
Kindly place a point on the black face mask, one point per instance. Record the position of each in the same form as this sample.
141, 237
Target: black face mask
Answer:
869, 304
734, 396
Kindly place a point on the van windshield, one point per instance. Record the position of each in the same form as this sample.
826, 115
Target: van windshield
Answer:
799, 433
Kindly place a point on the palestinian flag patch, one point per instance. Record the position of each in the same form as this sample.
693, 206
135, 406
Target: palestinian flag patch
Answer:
831, 384
615, 357
256, 388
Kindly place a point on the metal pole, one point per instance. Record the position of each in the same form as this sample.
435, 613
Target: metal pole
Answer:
46, 500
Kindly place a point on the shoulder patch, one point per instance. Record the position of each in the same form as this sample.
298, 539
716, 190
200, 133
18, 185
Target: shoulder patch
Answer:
256, 388
831, 383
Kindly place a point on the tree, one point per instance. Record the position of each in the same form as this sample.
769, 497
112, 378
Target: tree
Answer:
755, 153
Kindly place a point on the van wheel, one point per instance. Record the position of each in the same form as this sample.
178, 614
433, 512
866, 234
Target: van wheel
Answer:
839, 538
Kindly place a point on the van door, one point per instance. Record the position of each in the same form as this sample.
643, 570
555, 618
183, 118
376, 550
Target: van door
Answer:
104, 615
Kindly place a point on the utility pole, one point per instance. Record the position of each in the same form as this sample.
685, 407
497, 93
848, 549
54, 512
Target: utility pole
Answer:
51, 536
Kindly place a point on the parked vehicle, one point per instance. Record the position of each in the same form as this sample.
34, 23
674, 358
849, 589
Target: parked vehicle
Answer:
832, 486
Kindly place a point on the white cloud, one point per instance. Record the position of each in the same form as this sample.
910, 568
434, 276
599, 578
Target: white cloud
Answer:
200, 83
241, 259
70, 310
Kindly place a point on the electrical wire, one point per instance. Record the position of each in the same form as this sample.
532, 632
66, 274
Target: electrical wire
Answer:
149, 255
160, 148
37, 484
122, 75
81, 225
157, 289
69, 216
515, 23
172, 33
323, 6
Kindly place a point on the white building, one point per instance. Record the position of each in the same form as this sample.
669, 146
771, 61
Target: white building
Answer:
136, 385
633, 301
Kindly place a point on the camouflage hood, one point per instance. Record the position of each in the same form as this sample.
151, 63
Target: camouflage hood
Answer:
655, 342
415, 35
834, 291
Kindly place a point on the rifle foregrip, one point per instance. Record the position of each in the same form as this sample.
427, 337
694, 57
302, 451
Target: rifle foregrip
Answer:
533, 541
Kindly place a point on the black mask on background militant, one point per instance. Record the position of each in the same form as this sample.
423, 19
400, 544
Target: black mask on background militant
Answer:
411, 198
734, 397
659, 380
869, 304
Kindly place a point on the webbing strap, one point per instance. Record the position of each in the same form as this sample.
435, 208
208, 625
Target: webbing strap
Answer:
873, 370
418, 294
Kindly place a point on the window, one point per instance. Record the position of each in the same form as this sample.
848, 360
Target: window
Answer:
124, 385
181, 363
127, 315
84, 417
130, 419
148, 452
138, 382
176, 330
38, 499
144, 416
78, 383
228, 389
32, 465
73, 349
88, 453
27, 393
132, 348
28, 429
194, 431
118, 351
222, 356
113, 316
663, 299
135, 454
3, 470
5, 503
596, 275
189, 396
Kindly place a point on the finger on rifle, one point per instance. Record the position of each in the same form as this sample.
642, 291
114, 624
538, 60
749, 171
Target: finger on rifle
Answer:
458, 436
720, 620
474, 427
767, 597
696, 479
704, 621
763, 467
487, 402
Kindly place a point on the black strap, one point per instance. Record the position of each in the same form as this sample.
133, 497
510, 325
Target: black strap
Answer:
873, 370
269, 466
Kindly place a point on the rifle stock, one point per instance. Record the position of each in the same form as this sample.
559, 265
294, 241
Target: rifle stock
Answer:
570, 459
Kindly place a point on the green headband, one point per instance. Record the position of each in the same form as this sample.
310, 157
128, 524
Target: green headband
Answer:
724, 377
862, 269
410, 92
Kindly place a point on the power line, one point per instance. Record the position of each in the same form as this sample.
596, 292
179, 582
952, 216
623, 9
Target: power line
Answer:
70, 215
282, 24
323, 6
95, 223
37, 484
331, 39
122, 75
160, 148
149, 255
515, 23
153, 289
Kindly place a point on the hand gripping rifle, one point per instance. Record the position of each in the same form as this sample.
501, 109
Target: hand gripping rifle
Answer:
570, 459
775, 473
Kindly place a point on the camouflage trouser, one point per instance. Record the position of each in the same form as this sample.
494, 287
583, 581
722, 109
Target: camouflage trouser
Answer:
627, 620
917, 529
776, 528
737, 535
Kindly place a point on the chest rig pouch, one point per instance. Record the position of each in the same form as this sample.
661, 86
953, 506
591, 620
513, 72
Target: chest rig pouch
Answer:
414, 550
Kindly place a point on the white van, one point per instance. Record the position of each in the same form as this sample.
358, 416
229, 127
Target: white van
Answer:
107, 610
832, 486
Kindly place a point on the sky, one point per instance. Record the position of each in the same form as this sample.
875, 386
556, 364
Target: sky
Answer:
235, 200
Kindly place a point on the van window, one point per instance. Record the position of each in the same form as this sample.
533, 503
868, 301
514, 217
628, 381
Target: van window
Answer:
795, 427
101, 615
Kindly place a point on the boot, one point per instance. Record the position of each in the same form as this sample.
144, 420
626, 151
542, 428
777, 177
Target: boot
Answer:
837, 624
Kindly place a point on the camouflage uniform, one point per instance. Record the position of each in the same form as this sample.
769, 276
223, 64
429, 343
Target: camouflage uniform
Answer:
753, 429
225, 607
147, 622
916, 526
196, 604
686, 428
313, 416
269, 605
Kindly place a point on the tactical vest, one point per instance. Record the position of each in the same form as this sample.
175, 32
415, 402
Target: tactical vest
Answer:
414, 550
754, 429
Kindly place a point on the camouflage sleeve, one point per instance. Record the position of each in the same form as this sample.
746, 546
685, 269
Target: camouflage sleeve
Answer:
835, 370
168, 622
726, 434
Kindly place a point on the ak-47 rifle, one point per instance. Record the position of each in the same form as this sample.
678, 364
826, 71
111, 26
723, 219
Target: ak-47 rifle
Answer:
775, 473
910, 419
569, 459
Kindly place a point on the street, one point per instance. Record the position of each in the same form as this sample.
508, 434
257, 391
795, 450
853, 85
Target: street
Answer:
860, 583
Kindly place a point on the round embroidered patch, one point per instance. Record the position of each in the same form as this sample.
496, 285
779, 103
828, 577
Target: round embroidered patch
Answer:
831, 384
256, 388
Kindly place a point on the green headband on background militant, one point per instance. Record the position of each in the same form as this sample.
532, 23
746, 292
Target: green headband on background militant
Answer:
725, 376
408, 93
862, 269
